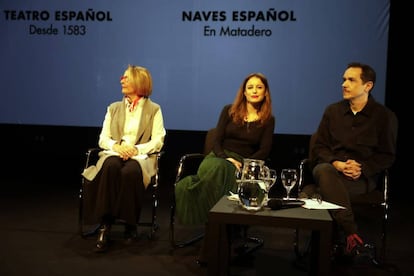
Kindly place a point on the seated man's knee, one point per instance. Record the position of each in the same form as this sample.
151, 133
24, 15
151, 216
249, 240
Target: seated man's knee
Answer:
322, 170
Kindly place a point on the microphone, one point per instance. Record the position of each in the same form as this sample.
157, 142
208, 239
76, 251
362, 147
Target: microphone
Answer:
277, 203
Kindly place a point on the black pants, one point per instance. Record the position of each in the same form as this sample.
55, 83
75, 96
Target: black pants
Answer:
336, 188
116, 192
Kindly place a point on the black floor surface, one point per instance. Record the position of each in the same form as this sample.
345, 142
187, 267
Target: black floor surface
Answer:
39, 236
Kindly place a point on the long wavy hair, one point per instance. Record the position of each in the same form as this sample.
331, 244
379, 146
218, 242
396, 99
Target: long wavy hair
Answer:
238, 110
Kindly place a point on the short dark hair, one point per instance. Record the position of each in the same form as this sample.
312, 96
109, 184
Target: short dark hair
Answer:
367, 74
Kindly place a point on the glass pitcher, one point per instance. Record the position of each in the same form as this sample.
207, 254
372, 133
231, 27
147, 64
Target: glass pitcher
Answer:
252, 169
252, 188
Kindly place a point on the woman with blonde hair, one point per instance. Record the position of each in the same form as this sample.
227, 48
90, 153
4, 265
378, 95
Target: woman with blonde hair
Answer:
132, 127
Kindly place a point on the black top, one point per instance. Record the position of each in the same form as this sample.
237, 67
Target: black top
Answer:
369, 136
250, 140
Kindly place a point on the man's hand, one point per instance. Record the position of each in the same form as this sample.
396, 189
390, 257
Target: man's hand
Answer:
350, 168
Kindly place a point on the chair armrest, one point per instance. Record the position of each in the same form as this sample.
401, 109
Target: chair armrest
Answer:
158, 154
303, 171
306, 186
188, 165
93, 151
91, 156
194, 156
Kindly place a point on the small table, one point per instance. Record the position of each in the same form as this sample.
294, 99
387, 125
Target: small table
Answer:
227, 212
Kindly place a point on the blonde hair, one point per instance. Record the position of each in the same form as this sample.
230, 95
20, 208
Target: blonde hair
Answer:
141, 80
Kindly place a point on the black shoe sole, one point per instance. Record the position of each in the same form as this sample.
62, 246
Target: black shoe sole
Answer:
100, 249
201, 263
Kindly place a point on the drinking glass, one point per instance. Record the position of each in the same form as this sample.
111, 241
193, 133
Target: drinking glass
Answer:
269, 178
289, 178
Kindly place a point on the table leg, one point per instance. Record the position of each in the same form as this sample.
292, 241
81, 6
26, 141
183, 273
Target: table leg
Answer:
325, 240
218, 246
320, 253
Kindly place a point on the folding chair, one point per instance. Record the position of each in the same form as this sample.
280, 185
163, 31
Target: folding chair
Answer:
86, 229
188, 165
376, 199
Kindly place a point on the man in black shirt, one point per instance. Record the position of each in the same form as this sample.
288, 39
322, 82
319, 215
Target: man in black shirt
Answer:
356, 140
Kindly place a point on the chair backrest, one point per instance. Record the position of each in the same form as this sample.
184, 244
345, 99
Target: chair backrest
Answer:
189, 163
311, 143
209, 141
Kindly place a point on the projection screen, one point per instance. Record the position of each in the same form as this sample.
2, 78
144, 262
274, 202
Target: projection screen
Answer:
61, 60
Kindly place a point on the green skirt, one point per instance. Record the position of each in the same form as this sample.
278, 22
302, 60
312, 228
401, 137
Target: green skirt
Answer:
197, 194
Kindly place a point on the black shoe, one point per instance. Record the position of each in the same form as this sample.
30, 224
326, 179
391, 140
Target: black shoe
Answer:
130, 233
201, 263
103, 239
365, 255
355, 252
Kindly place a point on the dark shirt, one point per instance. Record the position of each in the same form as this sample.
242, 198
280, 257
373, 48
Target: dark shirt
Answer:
369, 136
250, 140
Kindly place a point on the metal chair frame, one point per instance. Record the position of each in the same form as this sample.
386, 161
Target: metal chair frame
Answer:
187, 160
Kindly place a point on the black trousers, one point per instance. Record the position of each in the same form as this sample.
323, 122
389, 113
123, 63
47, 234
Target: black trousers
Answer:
116, 192
336, 188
